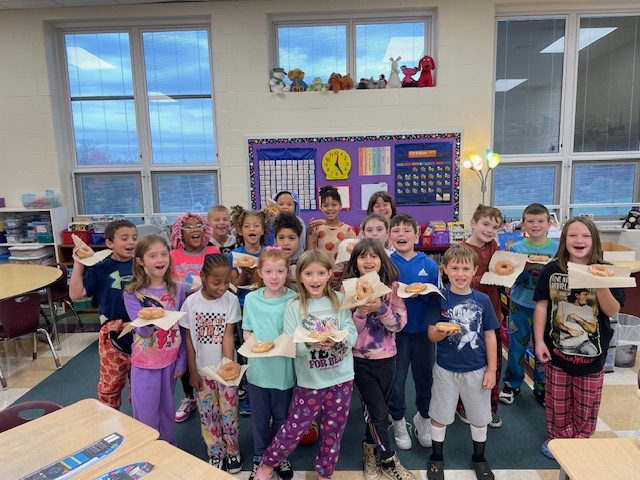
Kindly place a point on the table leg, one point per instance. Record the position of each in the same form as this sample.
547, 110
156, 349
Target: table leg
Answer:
563, 475
3, 381
54, 319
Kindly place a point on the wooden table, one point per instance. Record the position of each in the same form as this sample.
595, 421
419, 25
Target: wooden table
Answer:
597, 458
36, 444
169, 463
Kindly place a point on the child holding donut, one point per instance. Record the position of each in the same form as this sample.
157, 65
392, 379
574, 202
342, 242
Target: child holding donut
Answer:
414, 348
288, 234
158, 356
535, 223
327, 234
211, 316
485, 224
572, 334
374, 357
465, 363
324, 369
270, 380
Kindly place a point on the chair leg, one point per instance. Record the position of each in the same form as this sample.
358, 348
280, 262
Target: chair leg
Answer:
3, 380
53, 350
35, 345
75, 314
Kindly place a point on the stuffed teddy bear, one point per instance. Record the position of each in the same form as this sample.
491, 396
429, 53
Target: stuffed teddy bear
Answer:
277, 83
407, 81
426, 64
297, 80
394, 77
338, 82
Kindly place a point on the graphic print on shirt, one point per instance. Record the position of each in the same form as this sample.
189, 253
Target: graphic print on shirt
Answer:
165, 338
469, 316
119, 280
575, 330
320, 359
210, 328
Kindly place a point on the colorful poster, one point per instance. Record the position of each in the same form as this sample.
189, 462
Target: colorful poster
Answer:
374, 161
424, 174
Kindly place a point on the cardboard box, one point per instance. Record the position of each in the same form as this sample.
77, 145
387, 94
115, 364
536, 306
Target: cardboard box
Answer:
614, 252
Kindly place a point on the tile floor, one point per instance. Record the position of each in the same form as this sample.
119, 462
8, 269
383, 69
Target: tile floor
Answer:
619, 413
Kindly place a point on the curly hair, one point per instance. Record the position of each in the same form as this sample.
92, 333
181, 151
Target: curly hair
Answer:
177, 241
239, 213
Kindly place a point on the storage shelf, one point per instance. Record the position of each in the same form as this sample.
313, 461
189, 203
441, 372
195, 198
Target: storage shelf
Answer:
27, 244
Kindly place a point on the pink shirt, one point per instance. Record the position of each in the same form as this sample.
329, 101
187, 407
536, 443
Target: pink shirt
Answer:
186, 265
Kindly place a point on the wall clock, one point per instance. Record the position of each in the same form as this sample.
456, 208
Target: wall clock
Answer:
336, 164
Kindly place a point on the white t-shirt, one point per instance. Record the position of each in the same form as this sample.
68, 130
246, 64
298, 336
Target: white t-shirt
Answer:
207, 321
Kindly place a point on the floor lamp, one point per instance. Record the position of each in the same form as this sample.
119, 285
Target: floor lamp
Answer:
477, 164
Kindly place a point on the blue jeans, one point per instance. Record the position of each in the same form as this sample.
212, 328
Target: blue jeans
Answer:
267, 404
417, 350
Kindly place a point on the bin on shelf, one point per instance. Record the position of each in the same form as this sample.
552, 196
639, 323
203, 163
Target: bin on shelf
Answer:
627, 340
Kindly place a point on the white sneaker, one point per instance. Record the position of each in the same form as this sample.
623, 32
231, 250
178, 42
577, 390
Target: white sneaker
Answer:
422, 428
401, 435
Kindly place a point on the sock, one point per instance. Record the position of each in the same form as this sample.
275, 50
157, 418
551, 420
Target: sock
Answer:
478, 452
438, 448
478, 434
438, 433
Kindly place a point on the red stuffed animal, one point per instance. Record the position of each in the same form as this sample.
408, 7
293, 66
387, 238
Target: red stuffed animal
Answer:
338, 82
426, 64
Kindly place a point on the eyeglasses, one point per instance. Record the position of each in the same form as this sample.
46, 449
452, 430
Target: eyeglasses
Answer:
188, 228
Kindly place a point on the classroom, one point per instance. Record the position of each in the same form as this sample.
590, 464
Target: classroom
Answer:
547, 86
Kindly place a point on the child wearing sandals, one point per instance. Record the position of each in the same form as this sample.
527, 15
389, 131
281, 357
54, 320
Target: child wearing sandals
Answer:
374, 358
465, 361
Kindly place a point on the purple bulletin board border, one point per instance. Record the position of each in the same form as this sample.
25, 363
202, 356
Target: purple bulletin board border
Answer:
256, 144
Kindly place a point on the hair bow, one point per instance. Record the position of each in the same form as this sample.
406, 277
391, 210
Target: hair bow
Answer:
270, 248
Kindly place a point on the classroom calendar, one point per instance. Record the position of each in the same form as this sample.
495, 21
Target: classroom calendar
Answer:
294, 175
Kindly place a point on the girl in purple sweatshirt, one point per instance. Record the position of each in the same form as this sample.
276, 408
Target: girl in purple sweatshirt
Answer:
374, 357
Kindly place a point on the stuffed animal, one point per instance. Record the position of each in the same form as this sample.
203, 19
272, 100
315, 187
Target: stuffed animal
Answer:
297, 80
363, 84
407, 81
317, 86
426, 64
382, 82
277, 83
338, 82
394, 77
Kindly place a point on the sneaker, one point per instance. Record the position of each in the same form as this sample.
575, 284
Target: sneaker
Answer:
187, 405
234, 463
544, 448
462, 415
245, 408
393, 469
284, 470
242, 392
496, 421
422, 429
508, 394
371, 467
218, 463
539, 396
401, 435
254, 469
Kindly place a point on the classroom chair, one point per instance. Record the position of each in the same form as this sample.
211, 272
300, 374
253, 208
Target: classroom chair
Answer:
24, 412
59, 295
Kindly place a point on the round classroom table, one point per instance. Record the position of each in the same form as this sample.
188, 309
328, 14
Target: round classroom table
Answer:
16, 279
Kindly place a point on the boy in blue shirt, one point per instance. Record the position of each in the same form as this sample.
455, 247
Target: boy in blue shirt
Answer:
535, 223
465, 361
106, 281
414, 348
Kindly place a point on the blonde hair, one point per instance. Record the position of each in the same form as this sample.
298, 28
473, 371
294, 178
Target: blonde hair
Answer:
308, 258
273, 254
595, 256
140, 279
218, 208
460, 253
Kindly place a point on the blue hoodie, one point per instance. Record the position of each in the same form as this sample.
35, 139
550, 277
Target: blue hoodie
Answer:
270, 238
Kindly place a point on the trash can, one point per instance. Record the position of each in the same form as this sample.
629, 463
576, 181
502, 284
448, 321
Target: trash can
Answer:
627, 340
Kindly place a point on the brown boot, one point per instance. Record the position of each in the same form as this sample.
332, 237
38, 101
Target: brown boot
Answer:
371, 469
393, 469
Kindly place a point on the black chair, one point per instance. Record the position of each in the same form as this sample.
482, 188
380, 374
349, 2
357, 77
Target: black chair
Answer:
20, 316
59, 295
24, 412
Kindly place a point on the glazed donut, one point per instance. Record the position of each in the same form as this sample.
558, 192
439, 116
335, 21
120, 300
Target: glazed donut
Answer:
84, 252
246, 262
600, 270
262, 347
363, 289
538, 258
320, 336
415, 287
448, 327
504, 267
151, 313
229, 371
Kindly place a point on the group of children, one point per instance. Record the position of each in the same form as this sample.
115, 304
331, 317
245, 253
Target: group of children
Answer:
297, 283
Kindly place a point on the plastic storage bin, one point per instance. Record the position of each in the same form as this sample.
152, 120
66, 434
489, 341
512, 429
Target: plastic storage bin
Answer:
627, 340
82, 235
97, 238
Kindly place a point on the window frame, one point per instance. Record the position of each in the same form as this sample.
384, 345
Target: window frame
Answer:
567, 158
350, 21
145, 169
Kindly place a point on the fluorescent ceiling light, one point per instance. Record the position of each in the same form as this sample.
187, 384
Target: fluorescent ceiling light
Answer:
587, 37
159, 97
405, 47
86, 61
506, 84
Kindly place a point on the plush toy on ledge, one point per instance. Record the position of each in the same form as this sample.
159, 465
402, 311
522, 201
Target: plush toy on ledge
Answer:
317, 86
408, 81
297, 80
394, 77
277, 83
338, 82
426, 64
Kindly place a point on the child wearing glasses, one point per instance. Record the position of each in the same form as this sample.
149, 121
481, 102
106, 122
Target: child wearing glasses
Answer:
190, 237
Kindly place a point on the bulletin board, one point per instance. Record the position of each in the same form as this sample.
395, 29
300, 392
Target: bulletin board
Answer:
421, 171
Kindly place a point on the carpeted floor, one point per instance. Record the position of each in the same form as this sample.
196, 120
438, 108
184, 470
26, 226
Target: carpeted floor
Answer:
515, 445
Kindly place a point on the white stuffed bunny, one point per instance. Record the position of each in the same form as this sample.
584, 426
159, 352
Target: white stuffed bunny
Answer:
394, 77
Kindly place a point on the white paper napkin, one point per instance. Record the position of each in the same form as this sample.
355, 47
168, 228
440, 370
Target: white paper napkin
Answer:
211, 372
490, 277
579, 277
165, 323
284, 347
351, 299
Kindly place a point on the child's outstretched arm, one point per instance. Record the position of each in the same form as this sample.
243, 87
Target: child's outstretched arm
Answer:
491, 348
76, 284
607, 302
539, 321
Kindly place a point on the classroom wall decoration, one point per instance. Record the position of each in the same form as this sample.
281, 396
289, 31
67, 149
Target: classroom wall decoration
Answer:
421, 171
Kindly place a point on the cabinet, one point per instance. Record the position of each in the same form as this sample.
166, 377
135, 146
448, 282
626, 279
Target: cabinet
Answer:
59, 221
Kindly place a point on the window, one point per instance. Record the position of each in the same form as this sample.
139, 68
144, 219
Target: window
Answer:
591, 144
358, 46
142, 120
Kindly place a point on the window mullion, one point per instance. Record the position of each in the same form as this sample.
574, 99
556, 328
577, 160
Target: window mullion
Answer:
351, 50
